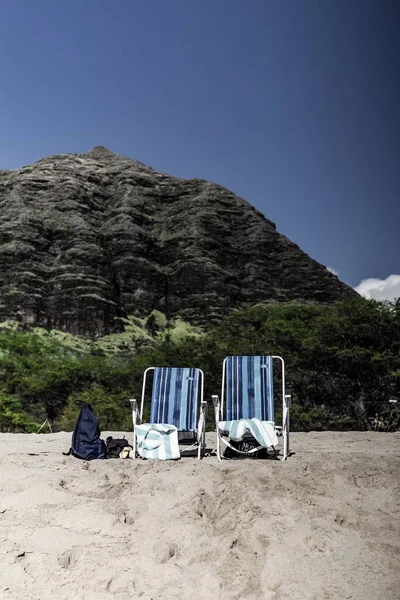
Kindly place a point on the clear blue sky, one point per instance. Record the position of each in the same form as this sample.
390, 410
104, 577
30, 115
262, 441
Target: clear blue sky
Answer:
293, 105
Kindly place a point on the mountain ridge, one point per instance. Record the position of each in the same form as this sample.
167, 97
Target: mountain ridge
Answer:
89, 239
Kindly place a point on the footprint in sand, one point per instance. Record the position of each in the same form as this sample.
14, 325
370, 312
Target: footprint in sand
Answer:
68, 559
166, 553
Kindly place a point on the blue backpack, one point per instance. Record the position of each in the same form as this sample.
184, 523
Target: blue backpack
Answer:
86, 441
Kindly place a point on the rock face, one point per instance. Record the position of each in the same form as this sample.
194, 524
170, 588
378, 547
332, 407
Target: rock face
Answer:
88, 239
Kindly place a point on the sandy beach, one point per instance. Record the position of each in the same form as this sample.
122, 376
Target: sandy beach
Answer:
323, 525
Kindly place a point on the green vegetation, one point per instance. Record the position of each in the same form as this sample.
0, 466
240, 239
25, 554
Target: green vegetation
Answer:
342, 361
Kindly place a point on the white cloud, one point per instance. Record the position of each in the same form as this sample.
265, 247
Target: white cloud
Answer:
332, 270
380, 289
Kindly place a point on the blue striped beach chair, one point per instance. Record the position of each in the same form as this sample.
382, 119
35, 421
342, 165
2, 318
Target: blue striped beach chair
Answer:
246, 409
177, 400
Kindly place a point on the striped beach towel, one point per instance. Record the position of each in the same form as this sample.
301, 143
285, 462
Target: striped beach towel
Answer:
157, 441
262, 431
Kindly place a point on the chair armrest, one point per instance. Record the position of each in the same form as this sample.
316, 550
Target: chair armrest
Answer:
216, 403
135, 413
202, 416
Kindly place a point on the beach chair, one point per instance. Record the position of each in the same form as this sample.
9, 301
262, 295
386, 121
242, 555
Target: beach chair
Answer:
177, 406
246, 408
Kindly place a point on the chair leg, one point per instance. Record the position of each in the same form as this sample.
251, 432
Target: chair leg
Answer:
218, 446
216, 404
201, 435
134, 445
203, 444
135, 419
285, 445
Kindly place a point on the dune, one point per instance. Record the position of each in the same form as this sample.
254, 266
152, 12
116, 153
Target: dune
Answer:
322, 525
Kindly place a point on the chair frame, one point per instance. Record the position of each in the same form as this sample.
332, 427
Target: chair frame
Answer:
282, 430
201, 413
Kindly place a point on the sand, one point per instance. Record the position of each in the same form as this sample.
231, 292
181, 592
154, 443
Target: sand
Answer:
323, 525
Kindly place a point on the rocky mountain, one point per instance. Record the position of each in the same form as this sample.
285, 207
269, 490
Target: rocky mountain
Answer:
86, 239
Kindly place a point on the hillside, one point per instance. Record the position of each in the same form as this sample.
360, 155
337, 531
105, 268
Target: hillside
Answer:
88, 240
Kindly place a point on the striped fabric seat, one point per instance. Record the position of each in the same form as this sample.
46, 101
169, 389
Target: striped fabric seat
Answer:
174, 397
249, 388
